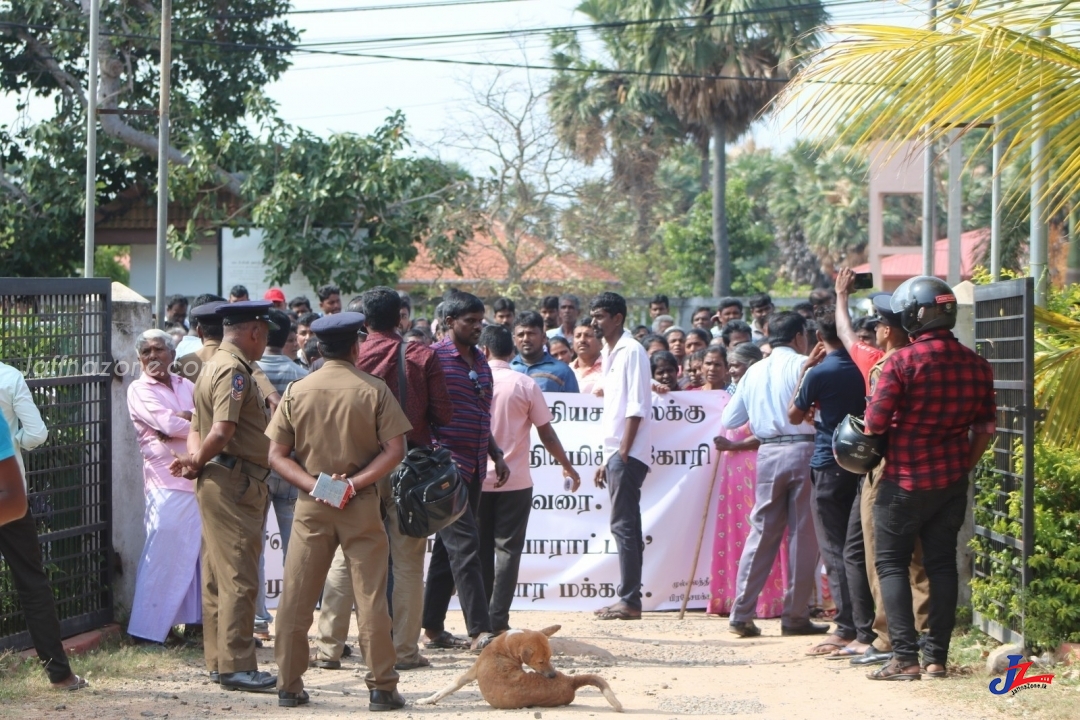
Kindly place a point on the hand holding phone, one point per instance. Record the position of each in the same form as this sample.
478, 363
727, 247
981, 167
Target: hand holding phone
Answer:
863, 281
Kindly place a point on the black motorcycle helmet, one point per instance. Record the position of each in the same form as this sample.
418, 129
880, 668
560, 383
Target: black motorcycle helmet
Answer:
924, 303
854, 449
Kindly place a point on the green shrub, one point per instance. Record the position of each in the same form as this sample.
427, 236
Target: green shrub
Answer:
1050, 607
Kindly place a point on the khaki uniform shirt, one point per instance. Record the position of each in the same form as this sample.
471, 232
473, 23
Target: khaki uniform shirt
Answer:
226, 393
191, 365
337, 419
875, 373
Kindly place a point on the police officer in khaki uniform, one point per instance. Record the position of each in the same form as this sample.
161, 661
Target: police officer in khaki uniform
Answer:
208, 325
347, 424
228, 454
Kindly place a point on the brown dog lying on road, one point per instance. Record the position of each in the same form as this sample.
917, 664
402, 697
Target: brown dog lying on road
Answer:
505, 685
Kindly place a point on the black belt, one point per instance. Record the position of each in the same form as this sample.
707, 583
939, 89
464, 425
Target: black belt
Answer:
784, 439
248, 467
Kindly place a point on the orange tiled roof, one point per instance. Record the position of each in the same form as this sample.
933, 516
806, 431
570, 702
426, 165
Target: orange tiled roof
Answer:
901, 267
482, 262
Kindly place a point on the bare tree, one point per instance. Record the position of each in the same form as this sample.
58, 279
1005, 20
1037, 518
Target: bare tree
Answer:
505, 129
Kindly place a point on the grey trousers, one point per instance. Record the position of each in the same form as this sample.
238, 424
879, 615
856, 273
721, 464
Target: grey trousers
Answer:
781, 503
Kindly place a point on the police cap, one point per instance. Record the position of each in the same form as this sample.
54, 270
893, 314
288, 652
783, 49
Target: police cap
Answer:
206, 314
882, 304
340, 326
245, 311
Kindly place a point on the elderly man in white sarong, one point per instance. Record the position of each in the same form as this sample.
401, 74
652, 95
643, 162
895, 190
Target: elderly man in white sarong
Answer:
167, 587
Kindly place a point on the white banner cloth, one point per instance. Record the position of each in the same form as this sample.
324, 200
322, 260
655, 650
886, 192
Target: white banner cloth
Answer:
569, 561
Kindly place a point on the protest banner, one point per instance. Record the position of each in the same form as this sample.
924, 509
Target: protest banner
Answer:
569, 561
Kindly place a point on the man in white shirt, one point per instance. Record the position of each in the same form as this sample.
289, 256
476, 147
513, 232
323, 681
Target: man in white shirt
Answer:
782, 491
625, 423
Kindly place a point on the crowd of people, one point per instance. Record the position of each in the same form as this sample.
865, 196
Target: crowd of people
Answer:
243, 403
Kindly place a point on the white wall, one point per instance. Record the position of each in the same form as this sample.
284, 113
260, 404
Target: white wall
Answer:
188, 277
242, 264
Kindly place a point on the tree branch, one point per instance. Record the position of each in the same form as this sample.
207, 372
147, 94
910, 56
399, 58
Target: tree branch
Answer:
8, 184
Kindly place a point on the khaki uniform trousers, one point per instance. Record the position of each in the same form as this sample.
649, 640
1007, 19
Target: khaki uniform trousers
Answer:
232, 503
407, 554
920, 584
318, 530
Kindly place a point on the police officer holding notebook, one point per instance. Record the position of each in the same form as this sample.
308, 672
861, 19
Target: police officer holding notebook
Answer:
227, 456
343, 423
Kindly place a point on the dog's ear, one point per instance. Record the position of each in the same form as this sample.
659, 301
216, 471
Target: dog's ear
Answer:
551, 630
526, 654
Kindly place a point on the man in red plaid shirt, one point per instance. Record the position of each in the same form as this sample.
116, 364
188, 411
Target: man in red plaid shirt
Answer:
935, 401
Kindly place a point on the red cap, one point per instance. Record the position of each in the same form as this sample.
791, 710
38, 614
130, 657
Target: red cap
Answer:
274, 295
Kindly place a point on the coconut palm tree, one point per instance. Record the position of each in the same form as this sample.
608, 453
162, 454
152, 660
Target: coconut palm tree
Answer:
718, 64
986, 59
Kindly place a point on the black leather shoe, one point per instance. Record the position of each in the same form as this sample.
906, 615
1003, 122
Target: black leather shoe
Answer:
326, 664
807, 629
381, 700
214, 677
248, 681
346, 650
744, 629
873, 656
288, 699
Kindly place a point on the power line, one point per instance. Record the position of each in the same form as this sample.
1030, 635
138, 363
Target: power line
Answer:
359, 8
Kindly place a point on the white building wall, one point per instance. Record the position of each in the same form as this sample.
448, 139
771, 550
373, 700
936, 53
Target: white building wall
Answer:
187, 277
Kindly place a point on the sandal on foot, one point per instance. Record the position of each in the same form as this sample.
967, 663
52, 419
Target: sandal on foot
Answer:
616, 612
944, 672
893, 671
71, 684
845, 653
828, 646
482, 641
446, 641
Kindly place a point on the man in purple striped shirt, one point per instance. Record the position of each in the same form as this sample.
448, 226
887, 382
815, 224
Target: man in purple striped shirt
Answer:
455, 557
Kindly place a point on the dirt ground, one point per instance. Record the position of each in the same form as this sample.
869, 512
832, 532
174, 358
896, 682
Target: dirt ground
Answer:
660, 667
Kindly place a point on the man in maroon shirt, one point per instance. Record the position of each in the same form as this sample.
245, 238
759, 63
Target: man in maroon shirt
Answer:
935, 400
427, 403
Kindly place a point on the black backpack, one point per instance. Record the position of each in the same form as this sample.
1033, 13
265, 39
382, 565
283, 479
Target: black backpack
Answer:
428, 491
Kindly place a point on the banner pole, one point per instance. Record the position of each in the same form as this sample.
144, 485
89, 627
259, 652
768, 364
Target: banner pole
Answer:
700, 538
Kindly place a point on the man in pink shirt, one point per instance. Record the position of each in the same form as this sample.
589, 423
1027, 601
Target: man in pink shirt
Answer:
517, 404
167, 586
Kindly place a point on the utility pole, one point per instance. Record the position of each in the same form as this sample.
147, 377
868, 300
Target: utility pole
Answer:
995, 202
956, 227
163, 160
928, 200
1039, 179
91, 142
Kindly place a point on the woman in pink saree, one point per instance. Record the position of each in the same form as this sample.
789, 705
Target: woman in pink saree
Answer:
738, 472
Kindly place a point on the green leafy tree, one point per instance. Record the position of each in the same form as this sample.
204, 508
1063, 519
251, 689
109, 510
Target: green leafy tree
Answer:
688, 248
364, 199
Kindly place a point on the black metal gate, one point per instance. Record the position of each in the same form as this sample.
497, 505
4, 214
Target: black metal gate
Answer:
1004, 503
56, 332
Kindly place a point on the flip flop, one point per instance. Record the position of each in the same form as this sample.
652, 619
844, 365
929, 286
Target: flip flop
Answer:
446, 641
482, 641
617, 613
893, 671
75, 683
825, 649
844, 653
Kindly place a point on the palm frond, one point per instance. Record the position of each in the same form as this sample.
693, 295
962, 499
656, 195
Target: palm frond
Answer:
986, 60
1057, 378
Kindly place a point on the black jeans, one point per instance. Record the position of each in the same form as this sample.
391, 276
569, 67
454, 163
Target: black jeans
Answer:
862, 600
503, 519
455, 561
935, 517
22, 552
624, 486
832, 498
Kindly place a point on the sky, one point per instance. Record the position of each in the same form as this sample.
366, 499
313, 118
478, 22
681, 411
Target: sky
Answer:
327, 94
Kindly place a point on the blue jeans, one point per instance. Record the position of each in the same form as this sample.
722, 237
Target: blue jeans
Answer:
283, 499
624, 480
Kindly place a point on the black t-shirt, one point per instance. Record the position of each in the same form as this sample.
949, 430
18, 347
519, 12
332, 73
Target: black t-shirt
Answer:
838, 389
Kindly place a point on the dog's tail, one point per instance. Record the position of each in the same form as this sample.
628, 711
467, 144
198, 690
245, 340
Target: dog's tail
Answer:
598, 682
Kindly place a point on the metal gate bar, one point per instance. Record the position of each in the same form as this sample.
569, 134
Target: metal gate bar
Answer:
1004, 335
56, 332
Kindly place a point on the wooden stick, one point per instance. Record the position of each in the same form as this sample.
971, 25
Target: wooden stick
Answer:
701, 537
